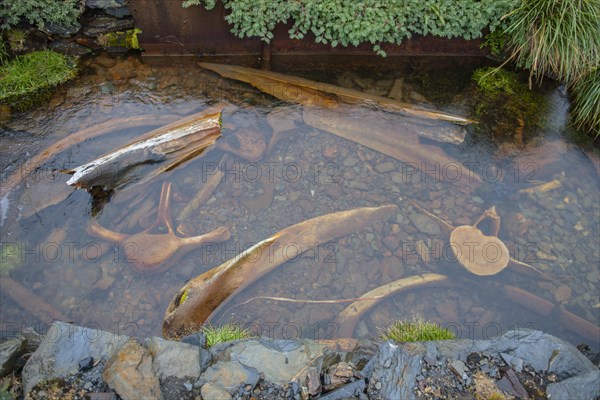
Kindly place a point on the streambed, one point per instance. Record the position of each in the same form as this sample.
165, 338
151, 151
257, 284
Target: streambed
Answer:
305, 174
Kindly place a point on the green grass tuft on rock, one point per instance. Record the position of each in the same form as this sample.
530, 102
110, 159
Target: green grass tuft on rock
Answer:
224, 333
416, 330
33, 73
586, 102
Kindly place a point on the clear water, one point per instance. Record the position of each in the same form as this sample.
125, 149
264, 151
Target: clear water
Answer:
313, 173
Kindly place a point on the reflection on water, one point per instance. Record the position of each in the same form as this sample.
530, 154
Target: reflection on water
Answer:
546, 193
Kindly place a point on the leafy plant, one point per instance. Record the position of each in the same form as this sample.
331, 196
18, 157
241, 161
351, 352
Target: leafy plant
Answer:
127, 39
586, 102
352, 22
16, 39
34, 72
10, 258
40, 12
224, 333
416, 330
555, 37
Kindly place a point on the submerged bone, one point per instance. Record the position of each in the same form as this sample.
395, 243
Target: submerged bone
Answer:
204, 295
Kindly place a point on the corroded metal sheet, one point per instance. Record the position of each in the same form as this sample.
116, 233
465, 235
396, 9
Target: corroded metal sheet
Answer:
168, 28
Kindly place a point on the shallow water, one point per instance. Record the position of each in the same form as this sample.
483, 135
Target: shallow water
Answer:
305, 174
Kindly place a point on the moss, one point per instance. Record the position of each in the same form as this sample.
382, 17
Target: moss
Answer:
28, 78
224, 333
10, 257
416, 330
126, 39
504, 104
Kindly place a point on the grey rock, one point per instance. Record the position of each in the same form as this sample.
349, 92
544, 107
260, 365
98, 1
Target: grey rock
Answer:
514, 362
9, 353
101, 25
129, 373
279, 360
197, 339
105, 4
351, 390
584, 386
459, 369
120, 12
228, 375
174, 359
532, 347
384, 167
211, 391
63, 347
60, 30
424, 224
188, 386
69, 48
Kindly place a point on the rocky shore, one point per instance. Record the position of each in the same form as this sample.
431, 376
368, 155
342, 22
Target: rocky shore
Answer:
75, 362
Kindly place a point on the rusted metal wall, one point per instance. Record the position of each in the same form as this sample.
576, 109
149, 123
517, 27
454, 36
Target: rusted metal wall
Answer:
168, 28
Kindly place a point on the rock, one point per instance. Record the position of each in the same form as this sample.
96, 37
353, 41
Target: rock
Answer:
279, 360
51, 28
585, 386
69, 48
174, 359
197, 339
129, 373
102, 25
229, 376
212, 391
511, 385
63, 347
313, 381
424, 224
459, 368
338, 375
86, 364
384, 167
393, 371
351, 390
396, 91
105, 4
9, 353
514, 362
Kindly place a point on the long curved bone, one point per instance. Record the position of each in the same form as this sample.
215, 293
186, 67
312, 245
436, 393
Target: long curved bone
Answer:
204, 295
156, 252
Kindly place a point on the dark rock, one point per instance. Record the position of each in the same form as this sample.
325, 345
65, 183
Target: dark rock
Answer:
511, 385
60, 30
86, 364
102, 25
197, 339
121, 12
534, 348
105, 4
313, 381
69, 48
10, 351
351, 390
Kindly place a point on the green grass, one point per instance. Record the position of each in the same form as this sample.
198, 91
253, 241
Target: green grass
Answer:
586, 102
33, 73
416, 330
555, 37
494, 81
224, 333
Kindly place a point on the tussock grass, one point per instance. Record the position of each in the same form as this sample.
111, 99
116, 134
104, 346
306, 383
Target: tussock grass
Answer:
586, 102
555, 37
34, 73
415, 330
224, 333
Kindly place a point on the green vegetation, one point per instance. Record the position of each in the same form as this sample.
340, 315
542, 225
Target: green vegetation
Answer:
224, 333
504, 105
127, 39
10, 258
16, 39
586, 102
40, 12
351, 22
555, 37
416, 330
28, 77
